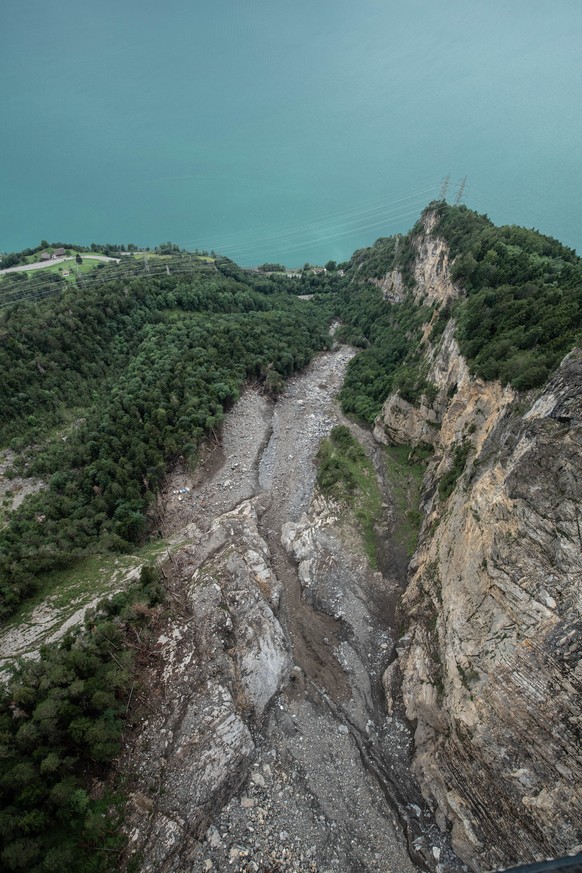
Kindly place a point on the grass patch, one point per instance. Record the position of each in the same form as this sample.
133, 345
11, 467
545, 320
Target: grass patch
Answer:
405, 471
63, 266
74, 268
449, 480
151, 256
66, 591
346, 474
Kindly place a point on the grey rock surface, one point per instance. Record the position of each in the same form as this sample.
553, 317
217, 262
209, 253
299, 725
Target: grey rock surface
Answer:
491, 660
268, 746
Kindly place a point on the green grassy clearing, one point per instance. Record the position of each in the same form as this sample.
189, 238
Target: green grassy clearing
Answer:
63, 592
346, 474
72, 268
59, 268
405, 470
151, 256
89, 263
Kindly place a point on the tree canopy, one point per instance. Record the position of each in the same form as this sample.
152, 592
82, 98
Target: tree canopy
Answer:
149, 365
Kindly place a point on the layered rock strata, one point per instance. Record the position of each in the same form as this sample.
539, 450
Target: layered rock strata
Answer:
490, 664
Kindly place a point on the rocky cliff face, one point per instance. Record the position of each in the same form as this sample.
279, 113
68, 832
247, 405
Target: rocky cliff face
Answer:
490, 662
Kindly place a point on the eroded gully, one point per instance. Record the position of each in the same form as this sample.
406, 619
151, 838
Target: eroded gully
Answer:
331, 787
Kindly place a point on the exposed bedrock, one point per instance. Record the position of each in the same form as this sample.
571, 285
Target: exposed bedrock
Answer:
222, 664
490, 660
267, 744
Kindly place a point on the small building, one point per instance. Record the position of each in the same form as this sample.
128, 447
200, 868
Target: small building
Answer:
58, 253
45, 256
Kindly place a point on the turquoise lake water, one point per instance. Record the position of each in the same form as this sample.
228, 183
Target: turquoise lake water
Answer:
285, 131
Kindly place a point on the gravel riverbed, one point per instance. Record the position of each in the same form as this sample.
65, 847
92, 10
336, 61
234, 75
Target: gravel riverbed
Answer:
330, 787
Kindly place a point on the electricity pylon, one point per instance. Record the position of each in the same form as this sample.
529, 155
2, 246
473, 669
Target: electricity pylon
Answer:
445, 187
461, 191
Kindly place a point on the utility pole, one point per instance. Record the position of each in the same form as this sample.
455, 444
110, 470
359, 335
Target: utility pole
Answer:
461, 191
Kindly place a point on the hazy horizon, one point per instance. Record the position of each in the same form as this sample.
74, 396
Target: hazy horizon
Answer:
285, 132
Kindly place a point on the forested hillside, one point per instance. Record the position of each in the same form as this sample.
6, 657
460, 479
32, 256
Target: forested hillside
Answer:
61, 720
519, 313
129, 374
135, 369
108, 383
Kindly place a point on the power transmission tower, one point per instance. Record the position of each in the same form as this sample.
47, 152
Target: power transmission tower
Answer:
445, 187
461, 191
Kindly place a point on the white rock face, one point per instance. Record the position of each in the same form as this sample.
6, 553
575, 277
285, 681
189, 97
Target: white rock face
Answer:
431, 270
401, 422
222, 664
491, 667
392, 287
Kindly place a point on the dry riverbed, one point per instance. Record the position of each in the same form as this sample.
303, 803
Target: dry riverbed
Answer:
267, 736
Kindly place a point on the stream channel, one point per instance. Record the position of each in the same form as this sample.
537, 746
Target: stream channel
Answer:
328, 787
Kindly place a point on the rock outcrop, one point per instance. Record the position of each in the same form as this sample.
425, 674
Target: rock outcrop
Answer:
223, 662
431, 268
490, 661
392, 287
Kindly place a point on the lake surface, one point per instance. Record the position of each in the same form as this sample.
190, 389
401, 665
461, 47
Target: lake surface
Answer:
285, 131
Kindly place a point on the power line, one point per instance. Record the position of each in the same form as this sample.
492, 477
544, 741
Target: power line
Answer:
445, 187
461, 191
38, 286
41, 289
326, 218
292, 246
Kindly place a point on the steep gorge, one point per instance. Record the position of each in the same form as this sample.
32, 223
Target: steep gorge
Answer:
490, 659
265, 744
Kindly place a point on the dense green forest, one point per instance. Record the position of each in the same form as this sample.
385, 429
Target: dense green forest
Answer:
61, 723
520, 313
523, 308
390, 333
107, 384
149, 365
166, 259
133, 369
